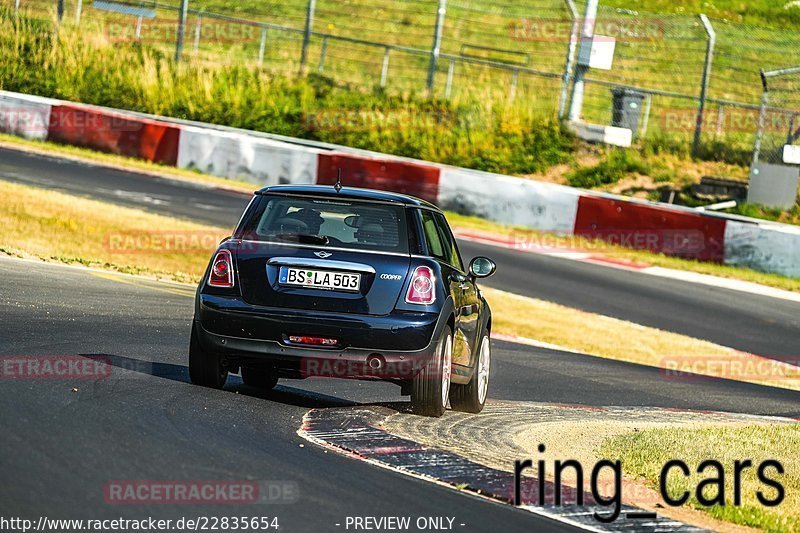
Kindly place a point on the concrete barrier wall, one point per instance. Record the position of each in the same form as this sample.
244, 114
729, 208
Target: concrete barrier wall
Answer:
420, 180
769, 248
508, 200
115, 133
257, 160
546, 207
658, 229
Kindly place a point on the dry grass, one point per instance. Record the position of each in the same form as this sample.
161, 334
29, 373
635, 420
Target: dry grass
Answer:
59, 227
641, 257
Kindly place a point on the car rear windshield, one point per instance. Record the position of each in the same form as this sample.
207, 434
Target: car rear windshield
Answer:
332, 223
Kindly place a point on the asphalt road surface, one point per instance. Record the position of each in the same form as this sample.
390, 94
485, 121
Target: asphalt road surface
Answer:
65, 439
757, 324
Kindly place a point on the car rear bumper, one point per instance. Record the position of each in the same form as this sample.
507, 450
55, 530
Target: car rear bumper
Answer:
395, 346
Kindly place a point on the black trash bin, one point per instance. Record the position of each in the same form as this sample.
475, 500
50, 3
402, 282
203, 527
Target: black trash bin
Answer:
627, 108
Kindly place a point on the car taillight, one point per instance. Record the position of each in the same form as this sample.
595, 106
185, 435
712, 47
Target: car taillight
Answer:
221, 270
422, 288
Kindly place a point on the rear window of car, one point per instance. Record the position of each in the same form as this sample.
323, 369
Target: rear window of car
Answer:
327, 223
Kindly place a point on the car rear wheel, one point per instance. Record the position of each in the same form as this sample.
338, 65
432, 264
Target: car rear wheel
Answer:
430, 388
205, 369
260, 378
471, 398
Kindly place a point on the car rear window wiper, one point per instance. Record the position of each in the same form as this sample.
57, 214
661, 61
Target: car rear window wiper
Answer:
304, 238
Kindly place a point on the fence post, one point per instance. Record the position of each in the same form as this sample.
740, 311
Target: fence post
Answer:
712, 39
385, 69
437, 44
450, 71
197, 29
514, 80
312, 6
648, 104
78, 10
762, 115
720, 119
138, 27
262, 47
60, 10
322, 54
573, 47
16, 6
181, 29
578, 88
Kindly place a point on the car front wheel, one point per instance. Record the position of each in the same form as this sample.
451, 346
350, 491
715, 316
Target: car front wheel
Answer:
430, 389
205, 369
471, 398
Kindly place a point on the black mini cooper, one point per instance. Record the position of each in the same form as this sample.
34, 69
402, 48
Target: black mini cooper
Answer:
345, 282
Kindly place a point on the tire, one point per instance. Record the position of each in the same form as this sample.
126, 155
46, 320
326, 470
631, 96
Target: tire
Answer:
431, 387
260, 378
471, 398
205, 369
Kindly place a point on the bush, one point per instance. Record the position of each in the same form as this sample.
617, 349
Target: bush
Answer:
613, 168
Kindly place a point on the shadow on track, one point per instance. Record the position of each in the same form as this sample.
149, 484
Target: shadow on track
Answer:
282, 393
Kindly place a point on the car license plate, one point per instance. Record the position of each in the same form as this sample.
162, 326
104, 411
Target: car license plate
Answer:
320, 279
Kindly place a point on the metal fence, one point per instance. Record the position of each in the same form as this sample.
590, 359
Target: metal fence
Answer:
699, 77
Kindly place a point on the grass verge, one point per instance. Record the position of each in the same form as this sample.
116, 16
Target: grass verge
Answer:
643, 454
58, 227
602, 249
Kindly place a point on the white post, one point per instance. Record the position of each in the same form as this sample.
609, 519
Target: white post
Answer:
197, 30
78, 9
578, 88
385, 69
262, 46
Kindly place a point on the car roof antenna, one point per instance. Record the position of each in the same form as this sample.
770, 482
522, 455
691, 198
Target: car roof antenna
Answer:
338, 185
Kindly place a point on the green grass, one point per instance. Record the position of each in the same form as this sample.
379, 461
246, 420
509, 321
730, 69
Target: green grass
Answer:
617, 165
644, 453
493, 137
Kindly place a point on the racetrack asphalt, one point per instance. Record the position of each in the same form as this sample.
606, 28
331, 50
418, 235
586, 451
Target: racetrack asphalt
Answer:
752, 323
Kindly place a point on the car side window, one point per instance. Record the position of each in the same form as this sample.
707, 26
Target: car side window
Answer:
449, 243
436, 247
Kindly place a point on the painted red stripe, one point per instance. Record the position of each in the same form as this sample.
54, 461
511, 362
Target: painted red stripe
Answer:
657, 229
403, 177
114, 133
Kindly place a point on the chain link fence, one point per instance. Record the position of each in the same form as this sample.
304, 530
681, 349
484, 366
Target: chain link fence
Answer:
695, 81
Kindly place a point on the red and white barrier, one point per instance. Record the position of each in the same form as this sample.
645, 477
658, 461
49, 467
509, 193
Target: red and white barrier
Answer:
766, 247
249, 158
114, 132
515, 201
417, 179
25, 115
508, 200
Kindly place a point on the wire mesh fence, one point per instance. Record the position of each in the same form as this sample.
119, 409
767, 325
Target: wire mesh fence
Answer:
505, 51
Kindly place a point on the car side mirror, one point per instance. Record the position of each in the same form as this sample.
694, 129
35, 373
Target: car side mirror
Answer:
482, 267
